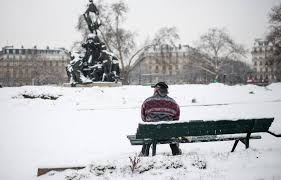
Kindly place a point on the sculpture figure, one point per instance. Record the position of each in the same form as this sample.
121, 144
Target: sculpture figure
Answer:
92, 25
97, 63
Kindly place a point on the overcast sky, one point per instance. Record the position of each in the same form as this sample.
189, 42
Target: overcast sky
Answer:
52, 22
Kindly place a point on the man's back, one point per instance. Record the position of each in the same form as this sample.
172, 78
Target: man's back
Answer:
160, 108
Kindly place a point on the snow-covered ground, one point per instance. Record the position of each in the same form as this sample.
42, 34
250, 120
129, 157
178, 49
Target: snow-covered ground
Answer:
88, 127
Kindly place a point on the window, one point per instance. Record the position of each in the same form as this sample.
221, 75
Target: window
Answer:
156, 69
260, 63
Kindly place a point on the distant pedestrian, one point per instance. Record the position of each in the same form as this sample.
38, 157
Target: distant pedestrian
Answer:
160, 107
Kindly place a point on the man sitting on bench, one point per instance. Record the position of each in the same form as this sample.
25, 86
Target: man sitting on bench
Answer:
160, 107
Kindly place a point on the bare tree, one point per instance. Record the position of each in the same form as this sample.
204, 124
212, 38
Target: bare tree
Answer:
166, 36
275, 25
274, 36
214, 48
234, 72
121, 41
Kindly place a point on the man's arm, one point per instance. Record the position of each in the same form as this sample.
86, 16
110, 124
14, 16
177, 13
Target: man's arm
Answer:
177, 114
143, 112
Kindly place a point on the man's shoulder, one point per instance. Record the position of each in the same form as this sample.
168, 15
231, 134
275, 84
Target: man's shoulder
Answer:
171, 99
149, 98
157, 97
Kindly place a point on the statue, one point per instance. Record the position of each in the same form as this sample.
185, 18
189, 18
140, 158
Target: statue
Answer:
96, 63
92, 26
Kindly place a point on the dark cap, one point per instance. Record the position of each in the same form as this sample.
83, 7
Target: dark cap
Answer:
161, 85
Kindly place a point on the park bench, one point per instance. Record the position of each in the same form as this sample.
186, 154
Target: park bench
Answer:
200, 131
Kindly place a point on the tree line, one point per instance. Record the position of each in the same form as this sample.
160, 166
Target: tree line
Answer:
216, 53
274, 36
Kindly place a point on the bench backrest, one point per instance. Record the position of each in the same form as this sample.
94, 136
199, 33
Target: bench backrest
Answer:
202, 128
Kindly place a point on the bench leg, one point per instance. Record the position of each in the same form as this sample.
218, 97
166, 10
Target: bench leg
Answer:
145, 149
247, 140
154, 148
235, 144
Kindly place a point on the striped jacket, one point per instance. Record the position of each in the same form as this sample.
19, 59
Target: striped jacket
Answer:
160, 108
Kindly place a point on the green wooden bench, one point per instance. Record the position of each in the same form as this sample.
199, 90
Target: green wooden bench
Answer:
199, 131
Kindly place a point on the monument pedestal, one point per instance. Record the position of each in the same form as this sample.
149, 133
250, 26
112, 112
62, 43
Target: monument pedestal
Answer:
95, 84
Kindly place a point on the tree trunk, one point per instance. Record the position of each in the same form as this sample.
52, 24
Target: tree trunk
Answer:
125, 77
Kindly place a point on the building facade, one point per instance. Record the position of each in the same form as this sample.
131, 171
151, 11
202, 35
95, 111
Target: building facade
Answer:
170, 64
33, 66
264, 67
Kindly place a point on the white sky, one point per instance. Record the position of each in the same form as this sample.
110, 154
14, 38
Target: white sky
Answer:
52, 22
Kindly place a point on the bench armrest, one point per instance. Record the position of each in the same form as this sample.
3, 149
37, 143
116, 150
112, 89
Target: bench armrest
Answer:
273, 134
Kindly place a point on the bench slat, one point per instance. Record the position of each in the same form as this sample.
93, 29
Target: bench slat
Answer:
202, 128
190, 139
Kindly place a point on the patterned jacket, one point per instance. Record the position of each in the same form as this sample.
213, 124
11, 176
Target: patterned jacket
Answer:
160, 108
